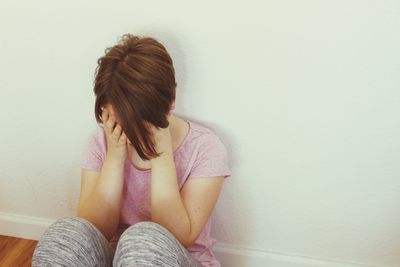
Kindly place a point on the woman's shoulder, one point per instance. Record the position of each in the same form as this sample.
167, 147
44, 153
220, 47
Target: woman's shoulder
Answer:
201, 134
211, 155
98, 134
97, 138
200, 128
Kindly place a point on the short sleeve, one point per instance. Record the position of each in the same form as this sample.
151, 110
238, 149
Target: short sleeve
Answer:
92, 156
211, 159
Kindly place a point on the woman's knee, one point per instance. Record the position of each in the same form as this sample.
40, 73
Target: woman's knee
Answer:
147, 242
70, 240
68, 228
148, 231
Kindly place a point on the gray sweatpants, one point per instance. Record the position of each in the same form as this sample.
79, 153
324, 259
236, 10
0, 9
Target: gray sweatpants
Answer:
74, 241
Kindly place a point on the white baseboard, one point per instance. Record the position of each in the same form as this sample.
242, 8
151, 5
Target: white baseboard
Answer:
236, 256
21, 226
28, 227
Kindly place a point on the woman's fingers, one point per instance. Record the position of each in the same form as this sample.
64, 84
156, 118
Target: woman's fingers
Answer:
123, 138
104, 116
117, 131
110, 123
112, 127
119, 135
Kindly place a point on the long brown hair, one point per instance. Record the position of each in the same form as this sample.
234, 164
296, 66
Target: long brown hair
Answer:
136, 76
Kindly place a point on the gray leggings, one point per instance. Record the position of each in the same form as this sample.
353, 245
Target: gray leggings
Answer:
74, 241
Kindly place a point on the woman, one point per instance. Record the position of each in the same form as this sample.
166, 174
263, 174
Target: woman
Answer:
150, 179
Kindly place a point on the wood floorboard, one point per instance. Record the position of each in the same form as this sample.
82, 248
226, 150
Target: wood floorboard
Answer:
16, 252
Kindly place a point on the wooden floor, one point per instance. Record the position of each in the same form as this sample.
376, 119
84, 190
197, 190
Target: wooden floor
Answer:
16, 252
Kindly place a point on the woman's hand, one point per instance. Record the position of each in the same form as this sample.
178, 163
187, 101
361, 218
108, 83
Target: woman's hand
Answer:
116, 138
162, 138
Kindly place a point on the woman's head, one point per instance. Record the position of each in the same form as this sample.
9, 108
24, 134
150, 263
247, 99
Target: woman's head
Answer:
136, 78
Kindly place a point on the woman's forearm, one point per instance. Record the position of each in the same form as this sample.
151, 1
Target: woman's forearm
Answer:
102, 208
167, 207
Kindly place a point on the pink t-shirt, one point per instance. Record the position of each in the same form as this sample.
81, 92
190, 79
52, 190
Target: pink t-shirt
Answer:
201, 154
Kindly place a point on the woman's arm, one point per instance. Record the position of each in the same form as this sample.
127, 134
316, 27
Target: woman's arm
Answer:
167, 208
102, 206
183, 214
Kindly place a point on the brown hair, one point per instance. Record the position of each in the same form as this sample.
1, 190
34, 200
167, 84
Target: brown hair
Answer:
136, 76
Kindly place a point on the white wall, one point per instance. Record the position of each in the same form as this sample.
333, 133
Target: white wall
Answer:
305, 94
